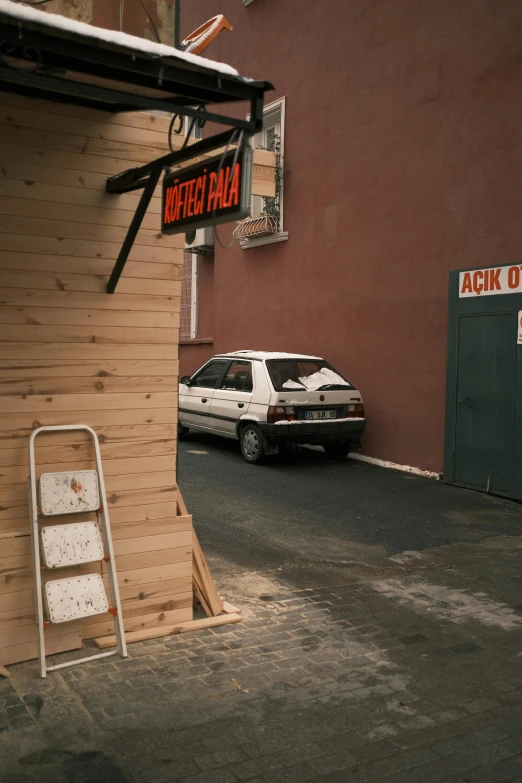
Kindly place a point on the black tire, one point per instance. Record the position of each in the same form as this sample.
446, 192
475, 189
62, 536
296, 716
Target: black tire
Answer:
337, 450
182, 431
251, 442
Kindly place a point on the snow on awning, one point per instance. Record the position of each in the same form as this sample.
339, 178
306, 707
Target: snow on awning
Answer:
54, 57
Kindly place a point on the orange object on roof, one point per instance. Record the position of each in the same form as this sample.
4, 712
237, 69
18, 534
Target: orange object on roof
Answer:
205, 34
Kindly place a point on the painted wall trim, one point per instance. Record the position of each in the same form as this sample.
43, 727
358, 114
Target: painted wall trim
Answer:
384, 463
196, 341
282, 237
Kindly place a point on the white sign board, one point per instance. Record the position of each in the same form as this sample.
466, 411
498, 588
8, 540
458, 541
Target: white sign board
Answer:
488, 282
519, 340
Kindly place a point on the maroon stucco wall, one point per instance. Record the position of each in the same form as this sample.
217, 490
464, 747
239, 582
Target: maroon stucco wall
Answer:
205, 309
192, 355
404, 160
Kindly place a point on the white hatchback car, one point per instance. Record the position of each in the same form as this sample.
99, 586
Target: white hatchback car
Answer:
268, 400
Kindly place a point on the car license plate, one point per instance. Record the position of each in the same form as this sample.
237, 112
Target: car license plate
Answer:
329, 414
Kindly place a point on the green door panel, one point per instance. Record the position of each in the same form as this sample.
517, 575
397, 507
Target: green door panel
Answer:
517, 434
485, 401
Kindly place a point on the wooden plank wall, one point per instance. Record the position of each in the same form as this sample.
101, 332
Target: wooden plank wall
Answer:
71, 353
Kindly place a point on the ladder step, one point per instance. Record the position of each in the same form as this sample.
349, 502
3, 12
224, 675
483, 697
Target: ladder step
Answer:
68, 493
71, 544
75, 597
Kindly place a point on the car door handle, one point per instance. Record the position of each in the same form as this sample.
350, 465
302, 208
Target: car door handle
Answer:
204, 399
241, 405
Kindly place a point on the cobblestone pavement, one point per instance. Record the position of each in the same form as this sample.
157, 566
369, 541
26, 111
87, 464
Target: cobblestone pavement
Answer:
408, 670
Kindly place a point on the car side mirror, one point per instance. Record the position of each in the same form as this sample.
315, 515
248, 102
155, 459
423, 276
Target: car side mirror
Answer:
185, 379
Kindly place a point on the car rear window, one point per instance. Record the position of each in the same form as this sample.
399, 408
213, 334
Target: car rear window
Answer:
305, 375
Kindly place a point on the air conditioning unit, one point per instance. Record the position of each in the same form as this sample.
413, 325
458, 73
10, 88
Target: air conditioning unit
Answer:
200, 240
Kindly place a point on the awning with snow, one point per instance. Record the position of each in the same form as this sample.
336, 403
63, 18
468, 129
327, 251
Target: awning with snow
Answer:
52, 57
45, 55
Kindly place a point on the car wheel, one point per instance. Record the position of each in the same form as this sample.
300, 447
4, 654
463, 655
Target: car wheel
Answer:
337, 450
182, 431
251, 443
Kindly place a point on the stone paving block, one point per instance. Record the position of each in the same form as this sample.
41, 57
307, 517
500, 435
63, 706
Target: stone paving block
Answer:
215, 776
416, 722
20, 722
465, 742
511, 696
300, 753
373, 690
16, 710
382, 730
166, 771
261, 765
115, 709
368, 751
267, 745
447, 716
508, 712
226, 757
333, 762
505, 769
463, 762
216, 743
481, 705
514, 744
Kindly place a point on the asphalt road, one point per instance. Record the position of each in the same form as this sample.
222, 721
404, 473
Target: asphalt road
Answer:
307, 516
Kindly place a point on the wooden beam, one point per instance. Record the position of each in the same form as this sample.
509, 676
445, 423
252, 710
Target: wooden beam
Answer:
230, 608
155, 633
202, 582
199, 597
181, 505
203, 578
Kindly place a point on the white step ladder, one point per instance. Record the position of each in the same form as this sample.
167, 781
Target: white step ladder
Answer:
71, 544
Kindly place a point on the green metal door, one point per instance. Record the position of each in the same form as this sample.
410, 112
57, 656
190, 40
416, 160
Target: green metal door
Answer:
485, 401
483, 435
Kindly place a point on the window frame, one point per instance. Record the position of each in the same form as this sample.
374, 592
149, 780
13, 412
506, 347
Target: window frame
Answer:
194, 378
274, 110
239, 391
197, 130
193, 298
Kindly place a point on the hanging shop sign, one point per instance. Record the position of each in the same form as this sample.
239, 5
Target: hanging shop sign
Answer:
216, 190
487, 282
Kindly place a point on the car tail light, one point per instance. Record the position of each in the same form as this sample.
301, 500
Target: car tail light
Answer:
356, 411
280, 413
